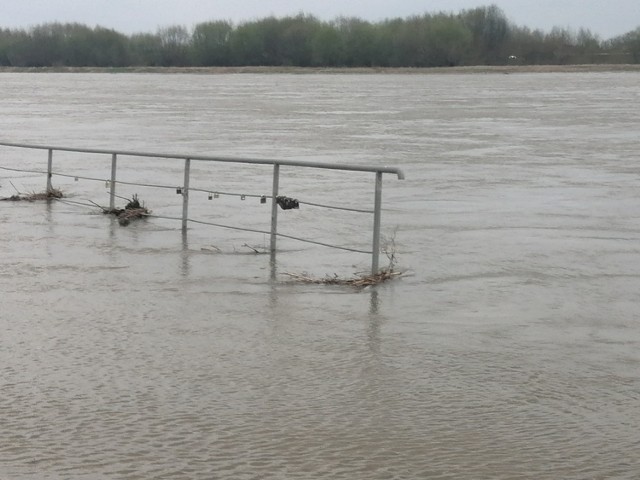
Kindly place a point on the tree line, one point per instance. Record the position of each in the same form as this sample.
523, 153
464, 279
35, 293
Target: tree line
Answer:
479, 36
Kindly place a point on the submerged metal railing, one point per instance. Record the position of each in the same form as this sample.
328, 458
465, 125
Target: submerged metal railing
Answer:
276, 163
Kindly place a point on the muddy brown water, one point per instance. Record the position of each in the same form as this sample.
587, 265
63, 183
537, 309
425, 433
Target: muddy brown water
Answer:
509, 349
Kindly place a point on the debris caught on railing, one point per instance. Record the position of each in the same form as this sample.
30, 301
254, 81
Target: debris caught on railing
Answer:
359, 281
258, 250
49, 194
131, 211
287, 203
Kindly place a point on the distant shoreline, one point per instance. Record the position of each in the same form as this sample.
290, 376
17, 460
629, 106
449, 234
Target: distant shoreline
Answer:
480, 69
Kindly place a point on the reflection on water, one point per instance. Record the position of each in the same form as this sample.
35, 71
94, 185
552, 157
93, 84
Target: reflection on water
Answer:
508, 350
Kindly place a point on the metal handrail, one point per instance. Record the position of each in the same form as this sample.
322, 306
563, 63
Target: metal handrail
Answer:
206, 158
276, 163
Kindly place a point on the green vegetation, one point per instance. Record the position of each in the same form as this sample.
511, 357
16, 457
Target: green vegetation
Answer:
480, 36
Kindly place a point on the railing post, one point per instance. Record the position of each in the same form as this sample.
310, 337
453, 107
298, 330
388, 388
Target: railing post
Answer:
112, 185
185, 194
49, 170
377, 213
274, 207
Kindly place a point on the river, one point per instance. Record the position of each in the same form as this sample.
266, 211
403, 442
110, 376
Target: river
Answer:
508, 349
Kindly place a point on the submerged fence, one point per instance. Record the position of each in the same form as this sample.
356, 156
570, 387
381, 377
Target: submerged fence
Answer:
184, 189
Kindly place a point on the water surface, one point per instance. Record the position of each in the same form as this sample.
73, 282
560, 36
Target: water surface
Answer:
509, 349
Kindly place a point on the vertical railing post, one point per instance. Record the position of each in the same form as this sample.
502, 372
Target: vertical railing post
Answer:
185, 193
377, 213
49, 170
112, 185
274, 208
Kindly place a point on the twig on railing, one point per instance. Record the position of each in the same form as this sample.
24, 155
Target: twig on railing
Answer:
256, 250
388, 247
359, 281
51, 194
132, 211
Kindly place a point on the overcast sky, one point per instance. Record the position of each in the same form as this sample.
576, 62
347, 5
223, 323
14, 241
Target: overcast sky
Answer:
607, 18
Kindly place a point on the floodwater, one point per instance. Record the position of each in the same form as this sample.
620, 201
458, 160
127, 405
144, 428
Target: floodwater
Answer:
509, 349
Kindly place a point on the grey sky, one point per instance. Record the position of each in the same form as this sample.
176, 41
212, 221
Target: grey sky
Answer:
607, 18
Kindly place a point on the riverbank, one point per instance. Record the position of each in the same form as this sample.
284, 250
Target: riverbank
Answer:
479, 69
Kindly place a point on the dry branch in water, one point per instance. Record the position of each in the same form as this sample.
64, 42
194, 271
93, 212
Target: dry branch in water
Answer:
132, 211
50, 194
125, 217
358, 281
388, 247
258, 250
